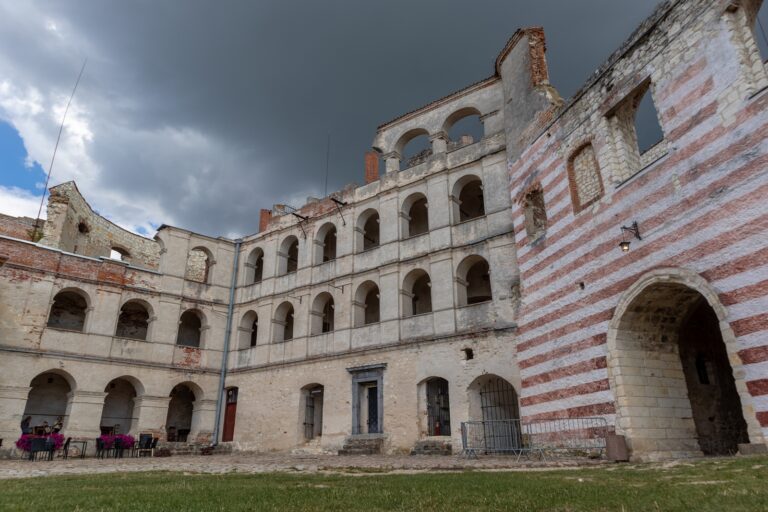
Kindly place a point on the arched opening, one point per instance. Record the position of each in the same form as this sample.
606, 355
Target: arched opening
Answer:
414, 147
289, 255
367, 304
190, 329
249, 330
48, 401
133, 321
255, 267
415, 216
669, 334
178, 423
312, 411
468, 198
368, 230
325, 243
323, 314
473, 277
463, 127
438, 407
284, 322
68, 311
417, 293
493, 400
117, 416
199, 262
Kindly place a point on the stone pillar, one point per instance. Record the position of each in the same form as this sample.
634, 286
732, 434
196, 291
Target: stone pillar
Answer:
439, 142
203, 421
151, 413
84, 410
392, 162
13, 400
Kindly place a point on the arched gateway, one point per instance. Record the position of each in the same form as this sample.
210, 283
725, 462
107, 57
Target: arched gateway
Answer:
671, 356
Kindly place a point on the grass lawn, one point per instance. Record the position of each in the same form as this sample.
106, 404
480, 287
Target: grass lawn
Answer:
712, 485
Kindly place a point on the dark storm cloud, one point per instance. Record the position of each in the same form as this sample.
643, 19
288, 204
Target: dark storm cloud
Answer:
212, 110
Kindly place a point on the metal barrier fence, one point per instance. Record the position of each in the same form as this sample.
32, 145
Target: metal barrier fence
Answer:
567, 436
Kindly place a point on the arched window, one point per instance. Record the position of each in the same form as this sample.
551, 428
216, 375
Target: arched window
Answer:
367, 230
249, 330
417, 293
463, 127
474, 281
190, 329
133, 321
323, 314
415, 216
468, 198
284, 322
68, 311
414, 147
199, 264
367, 304
289, 255
255, 266
325, 243
584, 178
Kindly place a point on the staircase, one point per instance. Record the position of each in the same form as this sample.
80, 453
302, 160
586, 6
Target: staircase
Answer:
432, 447
362, 445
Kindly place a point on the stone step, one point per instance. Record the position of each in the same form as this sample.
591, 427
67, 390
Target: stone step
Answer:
431, 447
362, 446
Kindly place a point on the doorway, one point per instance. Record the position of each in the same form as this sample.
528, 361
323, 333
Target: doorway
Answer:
367, 399
230, 413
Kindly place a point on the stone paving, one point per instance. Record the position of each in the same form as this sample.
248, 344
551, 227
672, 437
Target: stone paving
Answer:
268, 463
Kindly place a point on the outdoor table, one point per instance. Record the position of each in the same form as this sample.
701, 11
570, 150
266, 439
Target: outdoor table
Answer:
83, 445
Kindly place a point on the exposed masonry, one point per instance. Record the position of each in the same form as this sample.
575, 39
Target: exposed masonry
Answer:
494, 263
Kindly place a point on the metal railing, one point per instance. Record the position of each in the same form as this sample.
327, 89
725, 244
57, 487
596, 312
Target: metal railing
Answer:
555, 437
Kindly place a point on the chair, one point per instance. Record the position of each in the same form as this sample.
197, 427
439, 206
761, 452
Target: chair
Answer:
40, 445
143, 444
64, 451
148, 448
118, 448
100, 450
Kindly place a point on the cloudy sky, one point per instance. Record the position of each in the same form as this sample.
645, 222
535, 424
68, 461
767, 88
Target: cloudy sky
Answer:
197, 113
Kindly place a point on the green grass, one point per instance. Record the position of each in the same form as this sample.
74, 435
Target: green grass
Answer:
713, 485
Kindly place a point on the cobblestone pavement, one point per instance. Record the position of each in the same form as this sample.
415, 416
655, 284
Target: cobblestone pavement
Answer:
267, 463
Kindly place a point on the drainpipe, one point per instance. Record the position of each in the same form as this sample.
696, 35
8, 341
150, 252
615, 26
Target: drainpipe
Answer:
227, 337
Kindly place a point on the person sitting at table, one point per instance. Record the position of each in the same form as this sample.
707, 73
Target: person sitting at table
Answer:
25, 425
46, 428
58, 425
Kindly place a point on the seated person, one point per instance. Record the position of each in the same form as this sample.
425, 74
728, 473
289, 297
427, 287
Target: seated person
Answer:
58, 425
26, 428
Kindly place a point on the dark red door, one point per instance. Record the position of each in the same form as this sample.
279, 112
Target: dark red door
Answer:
229, 416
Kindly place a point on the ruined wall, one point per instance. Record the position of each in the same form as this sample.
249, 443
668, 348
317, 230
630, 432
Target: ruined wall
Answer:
18, 227
697, 198
72, 226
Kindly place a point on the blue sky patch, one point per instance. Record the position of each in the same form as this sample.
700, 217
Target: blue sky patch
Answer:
13, 171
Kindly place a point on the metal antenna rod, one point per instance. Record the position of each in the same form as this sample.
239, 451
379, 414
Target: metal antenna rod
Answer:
56, 147
327, 161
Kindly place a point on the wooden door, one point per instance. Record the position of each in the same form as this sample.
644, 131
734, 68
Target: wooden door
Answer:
230, 413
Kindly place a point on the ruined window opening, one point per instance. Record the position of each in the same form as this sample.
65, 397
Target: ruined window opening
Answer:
416, 216
326, 243
438, 407
417, 293
469, 199
284, 322
199, 264
190, 329
535, 214
255, 266
83, 228
366, 303
584, 178
468, 354
647, 125
417, 150
464, 128
313, 411
289, 256
68, 311
133, 321
760, 30
368, 230
323, 314
116, 253
474, 278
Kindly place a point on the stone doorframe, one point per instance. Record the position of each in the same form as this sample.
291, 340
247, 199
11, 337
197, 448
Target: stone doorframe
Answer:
692, 280
363, 375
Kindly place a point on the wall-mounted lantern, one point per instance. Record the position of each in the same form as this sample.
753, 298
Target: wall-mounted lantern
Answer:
634, 230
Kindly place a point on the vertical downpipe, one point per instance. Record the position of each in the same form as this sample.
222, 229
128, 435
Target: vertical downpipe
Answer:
227, 337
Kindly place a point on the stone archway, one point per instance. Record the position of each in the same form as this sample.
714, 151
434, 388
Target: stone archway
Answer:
671, 363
